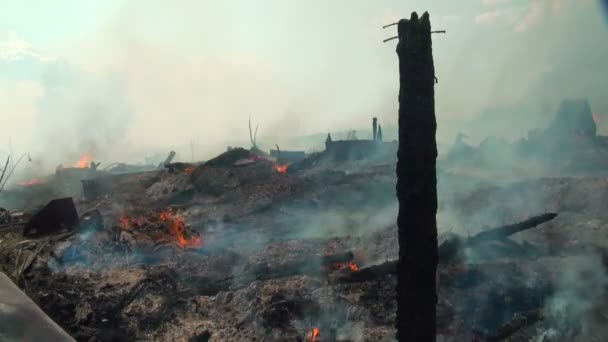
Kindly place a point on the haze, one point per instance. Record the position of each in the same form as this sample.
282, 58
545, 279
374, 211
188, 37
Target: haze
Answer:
122, 79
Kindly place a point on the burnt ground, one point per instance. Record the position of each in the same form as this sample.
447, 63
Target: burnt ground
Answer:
261, 270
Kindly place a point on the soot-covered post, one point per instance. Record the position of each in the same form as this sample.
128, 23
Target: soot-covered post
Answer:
416, 183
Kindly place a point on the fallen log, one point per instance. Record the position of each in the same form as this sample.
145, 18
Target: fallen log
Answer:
450, 248
508, 230
370, 273
519, 321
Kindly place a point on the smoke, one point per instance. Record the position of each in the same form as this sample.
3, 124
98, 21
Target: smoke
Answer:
575, 307
80, 114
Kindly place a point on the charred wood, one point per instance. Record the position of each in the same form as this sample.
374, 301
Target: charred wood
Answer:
519, 321
504, 231
450, 249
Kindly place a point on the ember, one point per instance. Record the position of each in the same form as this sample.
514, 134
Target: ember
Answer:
177, 227
281, 168
314, 335
129, 223
353, 267
31, 182
84, 161
189, 169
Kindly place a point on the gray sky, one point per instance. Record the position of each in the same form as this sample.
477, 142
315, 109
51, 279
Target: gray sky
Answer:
120, 77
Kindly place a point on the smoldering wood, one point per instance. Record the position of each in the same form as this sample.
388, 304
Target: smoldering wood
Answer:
178, 166
451, 248
519, 321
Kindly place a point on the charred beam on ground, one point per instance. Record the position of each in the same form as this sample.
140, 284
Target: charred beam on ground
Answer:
448, 250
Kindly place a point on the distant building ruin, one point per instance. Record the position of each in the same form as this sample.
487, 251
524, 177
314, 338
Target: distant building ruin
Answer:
359, 149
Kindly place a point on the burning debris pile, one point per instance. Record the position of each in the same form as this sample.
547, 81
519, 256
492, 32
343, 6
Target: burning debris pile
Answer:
163, 227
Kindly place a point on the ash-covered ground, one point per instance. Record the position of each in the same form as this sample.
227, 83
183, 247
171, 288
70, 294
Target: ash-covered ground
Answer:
237, 251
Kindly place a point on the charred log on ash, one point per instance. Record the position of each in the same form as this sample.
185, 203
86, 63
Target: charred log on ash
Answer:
178, 167
450, 249
519, 321
504, 231
416, 183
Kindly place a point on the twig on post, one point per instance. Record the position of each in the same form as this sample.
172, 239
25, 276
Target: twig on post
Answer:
391, 38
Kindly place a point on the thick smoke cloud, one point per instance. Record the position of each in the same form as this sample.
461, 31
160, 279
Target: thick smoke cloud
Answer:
80, 113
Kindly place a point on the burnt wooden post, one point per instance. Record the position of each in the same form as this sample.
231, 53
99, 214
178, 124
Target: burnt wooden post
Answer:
416, 183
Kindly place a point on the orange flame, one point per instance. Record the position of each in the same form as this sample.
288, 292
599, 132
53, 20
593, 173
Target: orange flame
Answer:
189, 170
353, 267
128, 223
177, 227
280, 168
31, 182
84, 161
314, 335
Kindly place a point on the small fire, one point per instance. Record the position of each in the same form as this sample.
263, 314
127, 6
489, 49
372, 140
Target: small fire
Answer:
353, 267
128, 223
280, 168
189, 170
314, 335
177, 227
31, 182
84, 161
